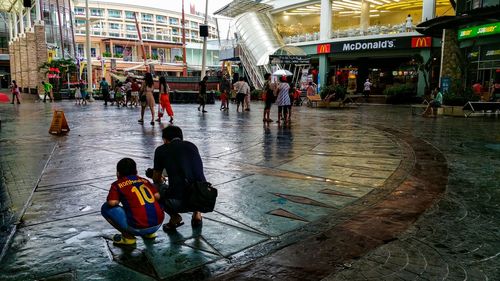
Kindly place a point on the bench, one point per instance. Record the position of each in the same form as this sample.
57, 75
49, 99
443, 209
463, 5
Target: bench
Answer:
475, 106
352, 98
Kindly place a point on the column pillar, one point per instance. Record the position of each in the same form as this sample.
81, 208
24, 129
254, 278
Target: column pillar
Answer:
426, 55
16, 31
21, 21
325, 33
11, 28
365, 17
325, 25
323, 69
38, 11
28, 19
41, 54
428, 10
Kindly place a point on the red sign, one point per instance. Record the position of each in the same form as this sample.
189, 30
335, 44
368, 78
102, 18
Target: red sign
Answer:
54, 69
421, 42
323, 49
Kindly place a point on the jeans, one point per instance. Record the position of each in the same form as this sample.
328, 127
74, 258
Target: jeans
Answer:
118, 219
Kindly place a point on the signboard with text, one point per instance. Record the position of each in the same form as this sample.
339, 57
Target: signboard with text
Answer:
381, 44
482, 30
289, 59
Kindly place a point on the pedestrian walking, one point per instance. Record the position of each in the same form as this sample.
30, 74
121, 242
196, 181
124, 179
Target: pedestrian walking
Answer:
182, 162
270, 98
135, 93
248, 96
104, 87
83, 91
47, 89
202, 95
128, 91
283, 100
165, 105
409, 23
14, 89
140, 213
78, 95
225, 91
241, 88
147, 98
367, 88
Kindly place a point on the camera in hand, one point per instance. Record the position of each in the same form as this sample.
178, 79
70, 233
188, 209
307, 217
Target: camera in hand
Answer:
149, 173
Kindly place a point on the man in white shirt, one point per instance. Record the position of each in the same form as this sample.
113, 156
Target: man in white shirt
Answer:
242, 90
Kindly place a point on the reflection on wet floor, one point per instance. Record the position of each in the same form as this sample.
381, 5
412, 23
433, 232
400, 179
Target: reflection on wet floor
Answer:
272, 180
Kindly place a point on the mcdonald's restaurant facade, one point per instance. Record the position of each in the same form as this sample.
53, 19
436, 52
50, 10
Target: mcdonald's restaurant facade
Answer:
386, 60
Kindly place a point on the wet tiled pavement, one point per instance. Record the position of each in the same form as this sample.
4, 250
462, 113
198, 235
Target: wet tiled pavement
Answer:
288, 195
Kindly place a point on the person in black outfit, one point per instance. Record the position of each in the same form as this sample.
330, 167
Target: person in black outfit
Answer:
182, 162
203, 94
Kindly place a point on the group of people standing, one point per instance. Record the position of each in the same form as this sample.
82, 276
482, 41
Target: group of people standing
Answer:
133, 93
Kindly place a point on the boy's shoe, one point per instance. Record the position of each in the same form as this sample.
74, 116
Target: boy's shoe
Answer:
149, 236
118, 239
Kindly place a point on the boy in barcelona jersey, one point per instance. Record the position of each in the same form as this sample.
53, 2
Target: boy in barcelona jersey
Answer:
140, 213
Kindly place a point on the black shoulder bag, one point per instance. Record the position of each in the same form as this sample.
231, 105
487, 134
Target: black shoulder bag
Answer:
201, 195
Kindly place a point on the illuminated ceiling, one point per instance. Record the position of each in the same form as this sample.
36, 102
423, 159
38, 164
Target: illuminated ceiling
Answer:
350, 7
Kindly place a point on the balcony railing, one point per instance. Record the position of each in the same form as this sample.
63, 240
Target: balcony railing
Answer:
352, 32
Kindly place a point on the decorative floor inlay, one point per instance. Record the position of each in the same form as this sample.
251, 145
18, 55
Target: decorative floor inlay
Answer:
286, 214
302, 200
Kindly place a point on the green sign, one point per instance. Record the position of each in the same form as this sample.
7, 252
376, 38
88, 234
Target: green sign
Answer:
482, 30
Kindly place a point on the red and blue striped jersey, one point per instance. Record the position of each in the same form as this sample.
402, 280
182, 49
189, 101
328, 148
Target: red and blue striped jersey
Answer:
137, 197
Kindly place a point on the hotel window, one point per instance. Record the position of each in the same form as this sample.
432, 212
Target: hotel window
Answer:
131, 27
174, 21
133, 36
161, 19
114, 34
80, 23
114, 26
79, 11
147, 17
129, 15
96, 12
147, 29
194, 25
175, 31
114, 13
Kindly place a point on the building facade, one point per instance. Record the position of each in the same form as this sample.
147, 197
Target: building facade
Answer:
115, 43
34, 32
351, 41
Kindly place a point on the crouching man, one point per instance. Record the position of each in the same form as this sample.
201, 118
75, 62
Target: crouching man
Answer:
182, 162
140, 213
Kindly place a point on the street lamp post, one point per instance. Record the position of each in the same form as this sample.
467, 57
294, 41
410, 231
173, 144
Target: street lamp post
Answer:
204, 55
88, 53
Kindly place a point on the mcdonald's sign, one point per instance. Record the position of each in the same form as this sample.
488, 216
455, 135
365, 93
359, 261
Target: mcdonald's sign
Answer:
421, 42
323, 49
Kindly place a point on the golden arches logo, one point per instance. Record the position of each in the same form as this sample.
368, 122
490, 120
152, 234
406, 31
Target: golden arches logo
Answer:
421, 42
323, 49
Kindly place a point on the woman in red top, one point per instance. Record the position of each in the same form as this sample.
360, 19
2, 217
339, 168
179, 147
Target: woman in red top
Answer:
165, 101
14, 89
140, 213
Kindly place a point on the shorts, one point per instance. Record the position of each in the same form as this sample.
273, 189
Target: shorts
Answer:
435, 104
240, 97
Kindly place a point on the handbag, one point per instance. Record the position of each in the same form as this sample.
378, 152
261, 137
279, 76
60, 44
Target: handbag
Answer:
201, 197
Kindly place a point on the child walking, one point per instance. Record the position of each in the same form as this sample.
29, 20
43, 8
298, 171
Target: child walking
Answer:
165, 101
224, 105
